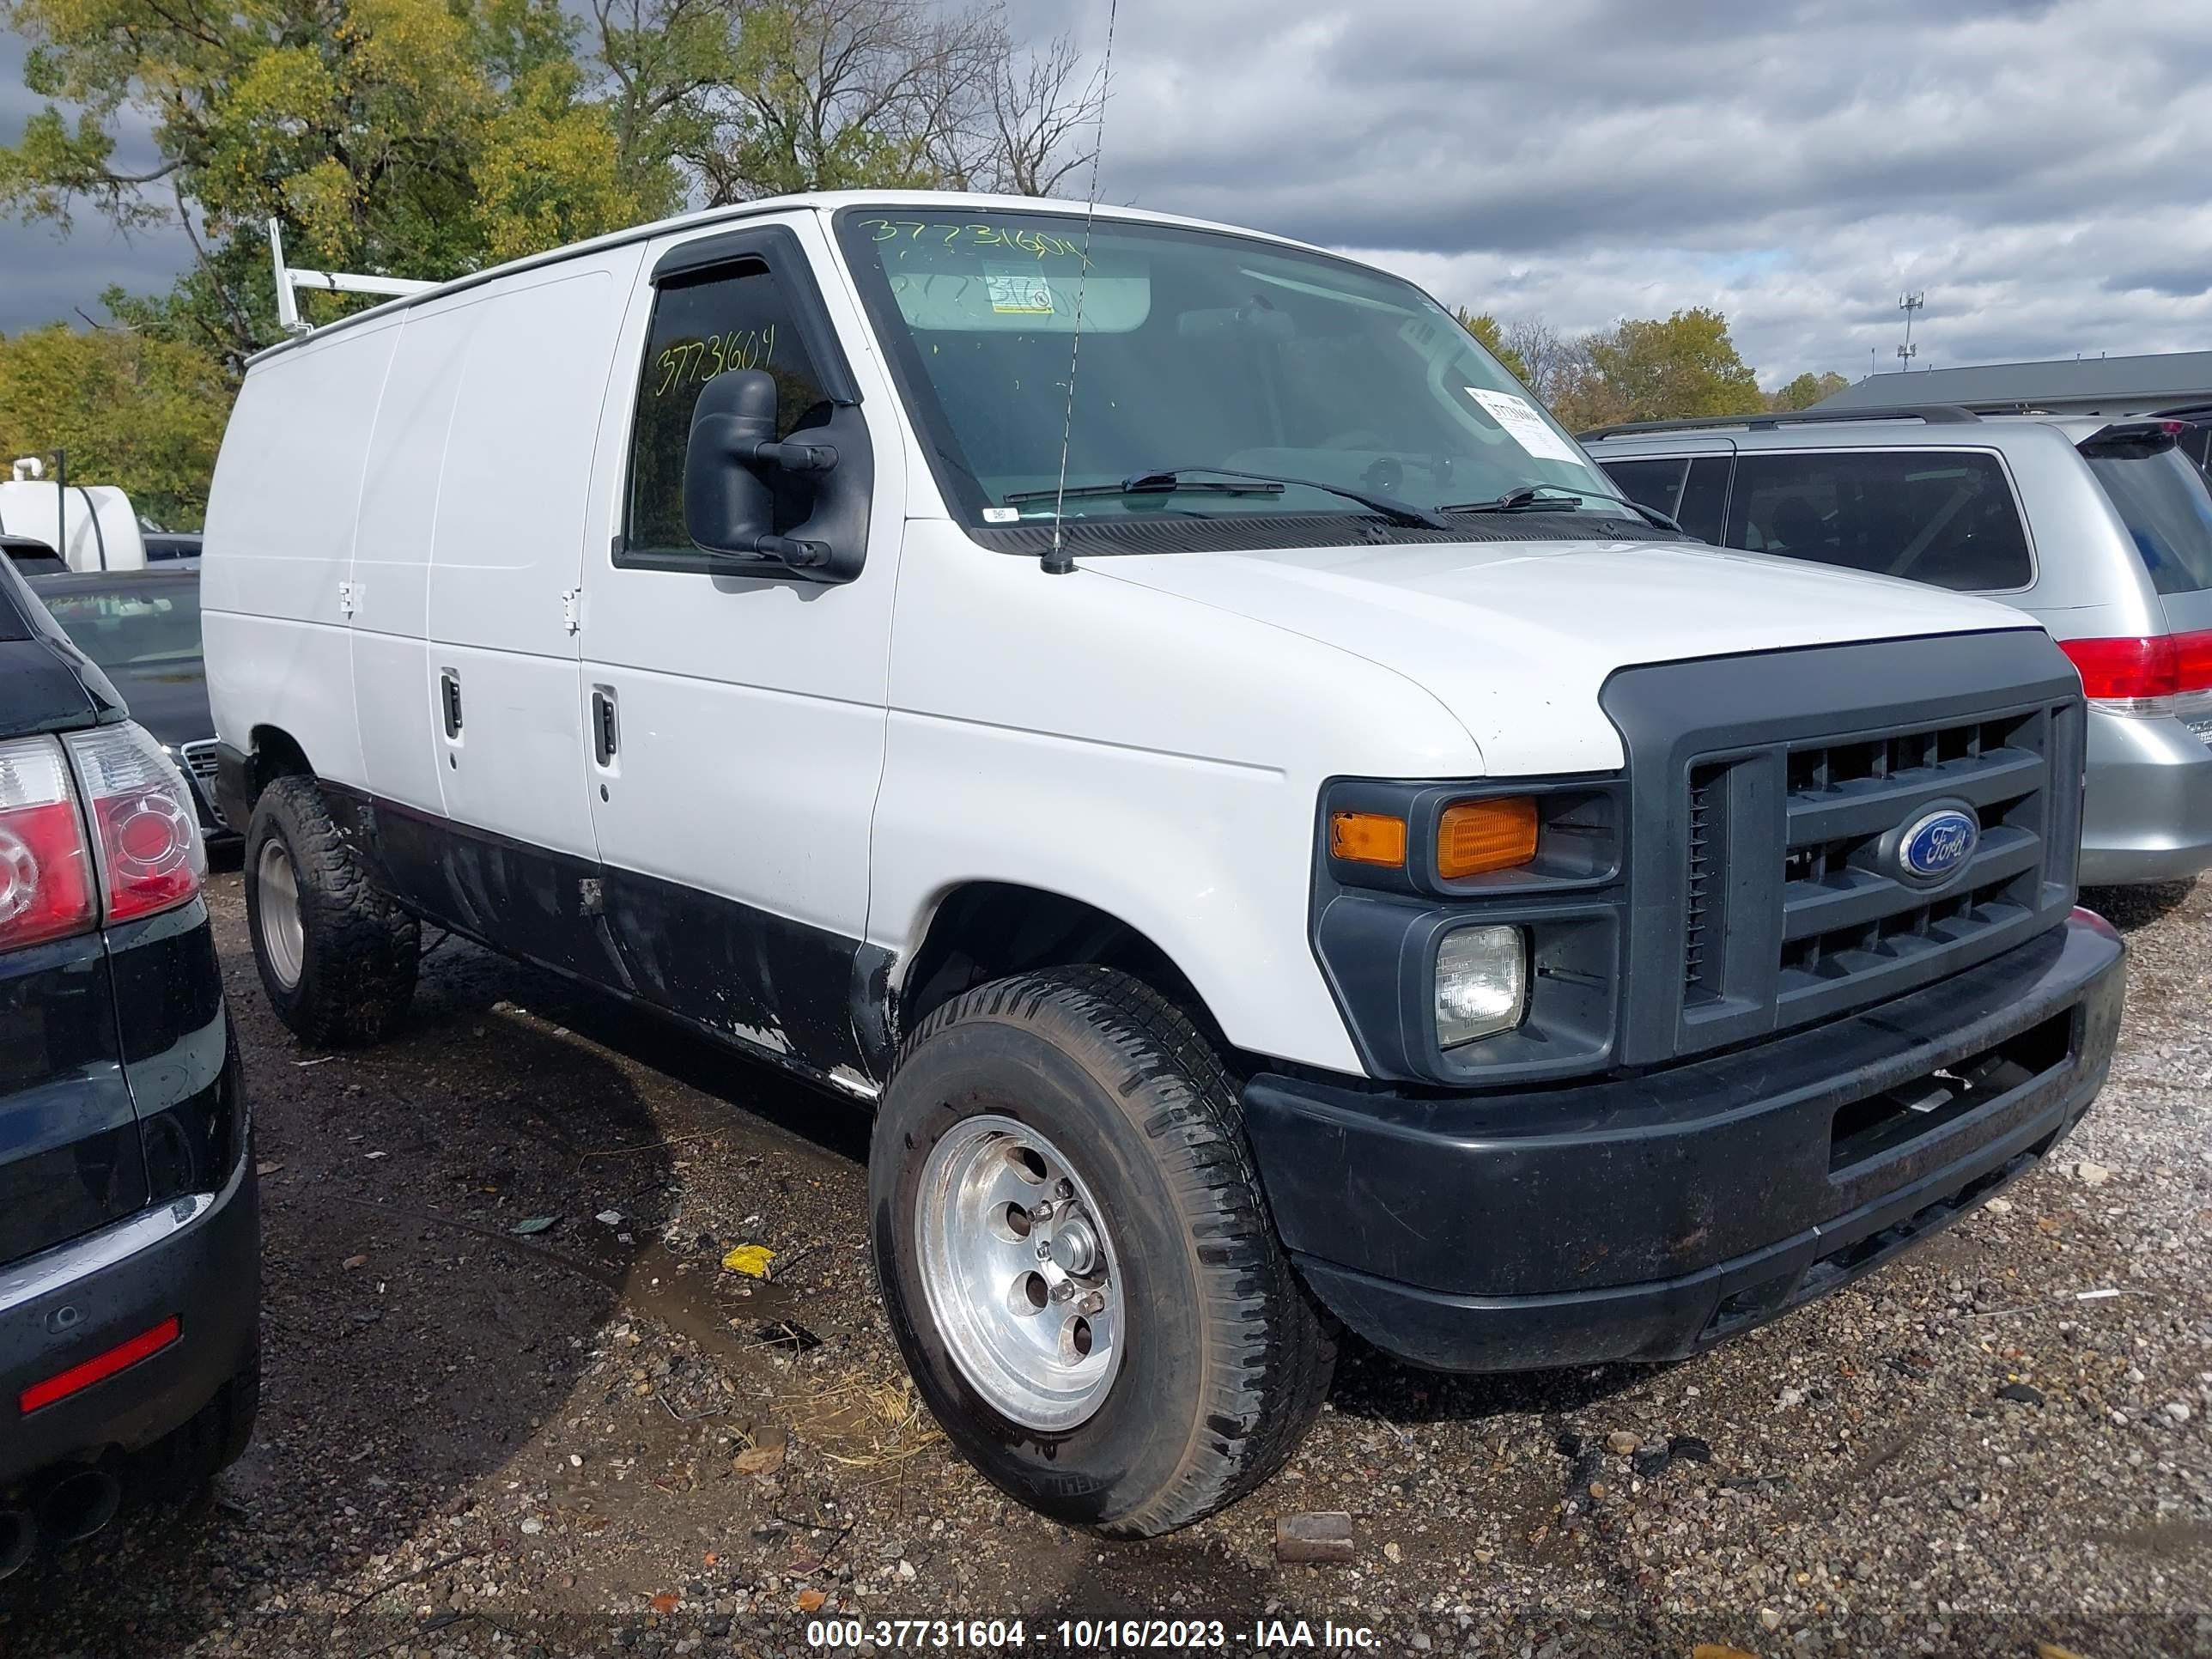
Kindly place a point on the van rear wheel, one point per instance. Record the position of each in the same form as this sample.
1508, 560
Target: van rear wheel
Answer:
337, 956
1077, 1257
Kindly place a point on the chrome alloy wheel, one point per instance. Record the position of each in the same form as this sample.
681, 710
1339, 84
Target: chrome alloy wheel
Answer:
1019, 1274
283, 941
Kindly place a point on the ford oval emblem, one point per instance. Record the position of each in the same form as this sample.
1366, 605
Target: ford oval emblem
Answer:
1936, 843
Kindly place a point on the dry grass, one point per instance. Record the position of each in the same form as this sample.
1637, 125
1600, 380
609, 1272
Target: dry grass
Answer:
863, 1421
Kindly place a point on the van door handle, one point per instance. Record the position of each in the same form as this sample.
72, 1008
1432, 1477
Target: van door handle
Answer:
449, 696
603, 724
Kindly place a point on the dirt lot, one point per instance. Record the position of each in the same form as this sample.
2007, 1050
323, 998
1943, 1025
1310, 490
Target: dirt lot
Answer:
480, 1441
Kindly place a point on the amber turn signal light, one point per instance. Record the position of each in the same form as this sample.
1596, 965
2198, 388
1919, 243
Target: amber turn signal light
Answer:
1367, 838
1473, 836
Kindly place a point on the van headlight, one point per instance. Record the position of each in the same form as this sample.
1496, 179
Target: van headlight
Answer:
1482, 983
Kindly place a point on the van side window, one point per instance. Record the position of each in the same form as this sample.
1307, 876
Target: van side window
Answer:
727, 318
1935, 516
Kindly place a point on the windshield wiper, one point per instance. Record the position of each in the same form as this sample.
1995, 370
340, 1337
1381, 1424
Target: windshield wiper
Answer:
1254, 483
1142, 483
1528, 498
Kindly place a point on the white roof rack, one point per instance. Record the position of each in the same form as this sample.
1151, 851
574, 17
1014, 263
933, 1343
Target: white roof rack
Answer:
291, 278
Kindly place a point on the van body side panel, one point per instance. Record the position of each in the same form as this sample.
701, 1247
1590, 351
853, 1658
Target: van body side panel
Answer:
507, 853
508, 550
280, 532
734, 815
1090, 738
393, 686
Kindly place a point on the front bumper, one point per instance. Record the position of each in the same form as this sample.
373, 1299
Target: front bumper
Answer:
2147, 801
196, 761
195, 1259
1645, 1218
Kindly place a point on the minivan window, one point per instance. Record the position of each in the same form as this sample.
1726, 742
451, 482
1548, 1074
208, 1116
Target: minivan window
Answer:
1942, 517
1705, 498
1198, 349
727, 319
1654, 484
1694, 492
2163, 500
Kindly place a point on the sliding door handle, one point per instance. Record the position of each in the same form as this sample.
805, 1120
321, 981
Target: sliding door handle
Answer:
605, 739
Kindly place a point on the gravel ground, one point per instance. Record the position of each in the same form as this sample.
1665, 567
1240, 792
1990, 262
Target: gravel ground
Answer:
591, 1438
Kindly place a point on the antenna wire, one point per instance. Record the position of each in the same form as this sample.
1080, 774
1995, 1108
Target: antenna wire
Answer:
1058, 563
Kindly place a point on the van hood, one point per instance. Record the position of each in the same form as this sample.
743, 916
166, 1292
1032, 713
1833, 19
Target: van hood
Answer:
1517, 638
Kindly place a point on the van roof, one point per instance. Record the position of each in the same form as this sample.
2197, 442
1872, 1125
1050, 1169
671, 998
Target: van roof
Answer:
820, 201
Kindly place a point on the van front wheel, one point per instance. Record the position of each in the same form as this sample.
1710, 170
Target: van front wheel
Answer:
1076, 1258
337, 956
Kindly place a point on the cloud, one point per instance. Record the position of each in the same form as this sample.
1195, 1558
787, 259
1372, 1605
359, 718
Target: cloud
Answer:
45, 277
2031, 165
1796, 163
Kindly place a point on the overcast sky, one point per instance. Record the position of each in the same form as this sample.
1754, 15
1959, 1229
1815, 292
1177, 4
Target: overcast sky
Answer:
2035, 165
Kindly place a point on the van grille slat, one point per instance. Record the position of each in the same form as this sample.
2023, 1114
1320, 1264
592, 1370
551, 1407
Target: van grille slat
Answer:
1852, 897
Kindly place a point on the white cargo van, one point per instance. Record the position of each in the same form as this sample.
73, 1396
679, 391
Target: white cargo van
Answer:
1281, 844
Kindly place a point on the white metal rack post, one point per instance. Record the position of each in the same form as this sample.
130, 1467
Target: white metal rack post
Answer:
291, 278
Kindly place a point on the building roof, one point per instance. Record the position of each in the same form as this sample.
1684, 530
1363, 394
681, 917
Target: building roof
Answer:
2172, 377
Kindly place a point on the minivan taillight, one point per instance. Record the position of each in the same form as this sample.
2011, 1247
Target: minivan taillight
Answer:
2143, 676
146, 837
45, 869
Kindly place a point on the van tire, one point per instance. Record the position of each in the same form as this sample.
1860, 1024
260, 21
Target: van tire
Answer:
356, 950
1224, 1361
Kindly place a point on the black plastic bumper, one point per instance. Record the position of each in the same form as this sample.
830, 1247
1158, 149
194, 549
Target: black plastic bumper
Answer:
205, 1274
234, 787
1647, 1217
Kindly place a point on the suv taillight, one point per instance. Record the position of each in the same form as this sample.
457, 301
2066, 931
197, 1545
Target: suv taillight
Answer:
146, 836
46, 870
2143, 676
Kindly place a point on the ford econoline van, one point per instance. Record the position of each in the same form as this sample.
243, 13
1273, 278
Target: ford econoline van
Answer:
1156, 714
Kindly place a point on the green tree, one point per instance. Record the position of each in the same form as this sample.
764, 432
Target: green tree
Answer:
144, 414
412, 138
1488, 329
759, 97
1645, 369
662, 61
1806, 390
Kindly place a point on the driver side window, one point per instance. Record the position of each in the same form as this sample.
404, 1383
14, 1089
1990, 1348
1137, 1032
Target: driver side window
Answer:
705, 324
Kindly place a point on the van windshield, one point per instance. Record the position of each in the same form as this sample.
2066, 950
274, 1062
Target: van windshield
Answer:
126, 625
2163, 500
1200, 353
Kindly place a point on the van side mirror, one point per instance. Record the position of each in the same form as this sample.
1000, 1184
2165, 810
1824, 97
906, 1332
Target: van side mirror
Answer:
729, 503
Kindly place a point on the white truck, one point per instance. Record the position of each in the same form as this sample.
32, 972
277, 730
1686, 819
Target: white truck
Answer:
1160, 714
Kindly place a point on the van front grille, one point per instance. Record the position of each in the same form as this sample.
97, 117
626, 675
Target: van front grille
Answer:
1828, 920
1847, 911
1784, 806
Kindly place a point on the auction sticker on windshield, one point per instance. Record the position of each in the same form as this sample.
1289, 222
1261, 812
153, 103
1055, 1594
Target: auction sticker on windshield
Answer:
1022, 293
1523, 424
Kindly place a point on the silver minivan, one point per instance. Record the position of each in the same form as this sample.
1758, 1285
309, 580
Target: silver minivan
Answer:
2101, 530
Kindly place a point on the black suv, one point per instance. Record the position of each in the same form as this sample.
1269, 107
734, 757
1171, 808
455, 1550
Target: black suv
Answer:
129, 1229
